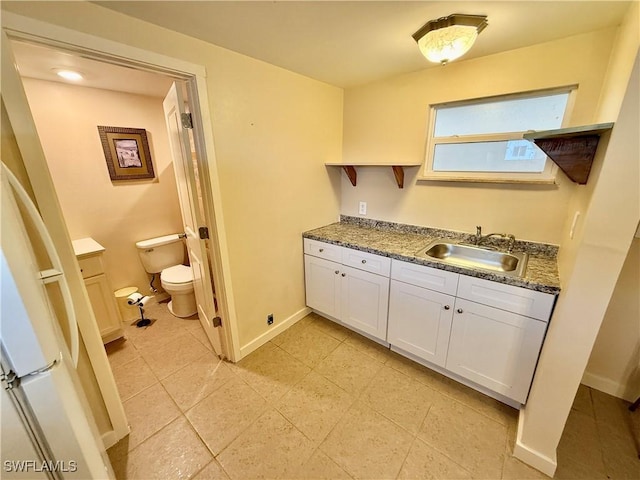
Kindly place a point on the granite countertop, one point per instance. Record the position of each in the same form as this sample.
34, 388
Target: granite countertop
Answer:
403, 241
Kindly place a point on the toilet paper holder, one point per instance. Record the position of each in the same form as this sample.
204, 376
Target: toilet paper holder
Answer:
138, 300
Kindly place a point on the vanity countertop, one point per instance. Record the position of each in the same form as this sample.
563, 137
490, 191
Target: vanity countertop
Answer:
402, 242
86, 246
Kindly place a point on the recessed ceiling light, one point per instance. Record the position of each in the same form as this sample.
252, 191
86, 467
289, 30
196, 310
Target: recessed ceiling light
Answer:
69, 75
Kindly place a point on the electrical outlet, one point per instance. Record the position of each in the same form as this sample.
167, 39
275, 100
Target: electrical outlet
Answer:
270, 319
362, 210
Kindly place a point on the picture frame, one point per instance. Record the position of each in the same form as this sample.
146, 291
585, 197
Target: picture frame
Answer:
126, 151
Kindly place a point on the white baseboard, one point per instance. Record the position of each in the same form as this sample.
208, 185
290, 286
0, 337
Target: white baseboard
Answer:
607, 385
273, 332
531, 457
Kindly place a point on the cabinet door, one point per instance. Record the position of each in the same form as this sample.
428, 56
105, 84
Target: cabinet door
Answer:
420, 321
322, 283
495, 348
104, 307
365, 301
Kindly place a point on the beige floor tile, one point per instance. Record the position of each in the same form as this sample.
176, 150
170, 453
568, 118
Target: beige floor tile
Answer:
420, 373
332, 328
201, 336
267, 449
482, 403
148, 412
310, 345
571, 470
174, 355
121, 351
423, 462
399, 398
315, 405
224, 414
580, 442
469, 438
367, 445
318, 467
514, 469
164, 329
294, 330
371, 348
133, 377
271, 371
196, 380
582, 402
213, 471
175, 452
349, 368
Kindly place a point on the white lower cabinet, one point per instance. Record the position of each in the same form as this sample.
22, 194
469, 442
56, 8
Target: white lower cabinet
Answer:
354, 296
494, 348
420, 321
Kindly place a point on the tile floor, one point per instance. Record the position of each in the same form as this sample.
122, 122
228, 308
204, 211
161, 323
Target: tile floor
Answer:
319, 402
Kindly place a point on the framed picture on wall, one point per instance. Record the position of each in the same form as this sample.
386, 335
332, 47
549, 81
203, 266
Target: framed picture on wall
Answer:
126, 151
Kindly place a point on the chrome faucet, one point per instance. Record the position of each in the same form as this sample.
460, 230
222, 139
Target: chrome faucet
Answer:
479, 238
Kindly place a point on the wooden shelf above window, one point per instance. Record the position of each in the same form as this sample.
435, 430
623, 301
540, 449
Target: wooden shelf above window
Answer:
397, 167
572, 149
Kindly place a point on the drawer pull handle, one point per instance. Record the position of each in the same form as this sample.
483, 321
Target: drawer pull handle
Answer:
364, 261
460, 310
321, 250
337, 272
447, 307
344, 274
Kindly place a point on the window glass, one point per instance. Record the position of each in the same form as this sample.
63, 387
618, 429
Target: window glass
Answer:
505, 156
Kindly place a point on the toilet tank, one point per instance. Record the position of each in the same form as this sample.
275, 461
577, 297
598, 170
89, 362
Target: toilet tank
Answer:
159, 253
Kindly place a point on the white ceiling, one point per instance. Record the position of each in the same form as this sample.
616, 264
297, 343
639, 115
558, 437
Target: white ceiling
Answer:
346, 43
338, 42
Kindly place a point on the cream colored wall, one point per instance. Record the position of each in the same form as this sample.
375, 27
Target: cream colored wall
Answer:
614, 365
273, 131
115, 214
387, 120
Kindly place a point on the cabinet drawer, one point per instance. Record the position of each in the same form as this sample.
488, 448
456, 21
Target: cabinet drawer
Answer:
426, 277
91, 266
323, 250
366, 261
523, 301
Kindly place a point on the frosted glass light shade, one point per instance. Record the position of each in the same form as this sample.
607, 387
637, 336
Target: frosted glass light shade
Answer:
448, 38
447, 44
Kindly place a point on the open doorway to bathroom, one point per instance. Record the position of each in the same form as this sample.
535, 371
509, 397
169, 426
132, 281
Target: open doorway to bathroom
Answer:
147, 362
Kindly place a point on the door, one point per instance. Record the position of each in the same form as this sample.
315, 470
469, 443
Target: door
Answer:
191, 206
322, 285
495, 348
365, 301
420, 321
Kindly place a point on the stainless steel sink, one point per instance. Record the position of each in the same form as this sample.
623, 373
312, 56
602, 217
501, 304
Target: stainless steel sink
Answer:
470, 256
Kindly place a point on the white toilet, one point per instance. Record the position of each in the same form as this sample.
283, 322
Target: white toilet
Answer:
164, 255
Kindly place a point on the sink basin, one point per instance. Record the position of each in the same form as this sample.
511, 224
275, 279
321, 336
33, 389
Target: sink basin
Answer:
471, 256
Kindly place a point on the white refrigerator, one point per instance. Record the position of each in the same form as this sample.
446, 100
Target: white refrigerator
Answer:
45, 430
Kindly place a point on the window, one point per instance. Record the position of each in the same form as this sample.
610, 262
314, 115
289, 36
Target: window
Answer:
481, 140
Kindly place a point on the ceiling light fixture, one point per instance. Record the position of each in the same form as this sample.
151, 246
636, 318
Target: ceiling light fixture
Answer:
69, 75
448, 38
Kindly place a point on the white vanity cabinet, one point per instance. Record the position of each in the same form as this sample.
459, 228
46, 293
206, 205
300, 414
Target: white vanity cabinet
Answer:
420, 318
348, 285
89, 255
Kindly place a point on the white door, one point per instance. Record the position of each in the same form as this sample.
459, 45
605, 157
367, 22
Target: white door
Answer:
191, 206
322, 285
494, 348
420, 321
365, 301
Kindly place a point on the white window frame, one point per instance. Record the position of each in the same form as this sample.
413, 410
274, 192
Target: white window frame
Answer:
548, 174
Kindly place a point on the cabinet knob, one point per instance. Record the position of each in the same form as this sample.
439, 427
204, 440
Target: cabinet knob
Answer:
344, 274
460, 310
337, 272
447, 307
364, 261
321, 250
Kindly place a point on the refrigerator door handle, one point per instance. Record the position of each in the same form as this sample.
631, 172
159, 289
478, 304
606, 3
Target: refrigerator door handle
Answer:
46, 275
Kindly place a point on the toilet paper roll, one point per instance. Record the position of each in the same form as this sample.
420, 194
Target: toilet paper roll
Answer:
143, 301
134, 298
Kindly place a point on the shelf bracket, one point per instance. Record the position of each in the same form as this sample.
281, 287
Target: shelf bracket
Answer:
351, 173
399, 174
